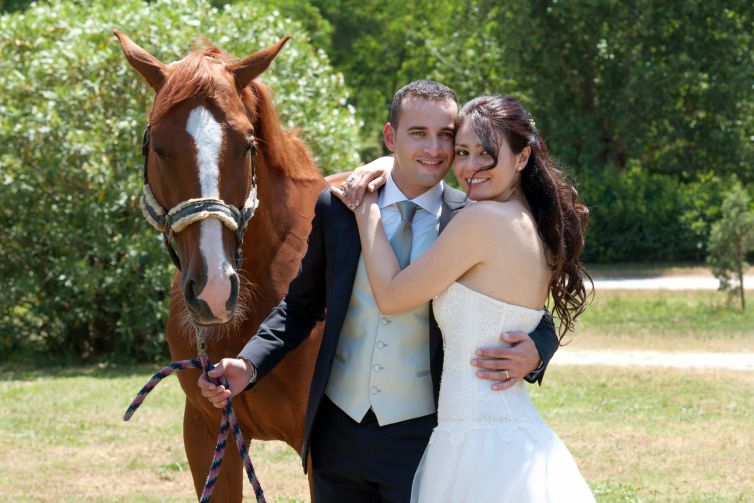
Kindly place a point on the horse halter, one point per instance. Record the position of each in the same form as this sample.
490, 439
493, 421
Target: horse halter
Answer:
190, 211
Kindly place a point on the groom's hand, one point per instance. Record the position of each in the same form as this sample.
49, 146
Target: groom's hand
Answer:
507, 365
235, 371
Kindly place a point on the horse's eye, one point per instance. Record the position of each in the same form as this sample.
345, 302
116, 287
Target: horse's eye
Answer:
160, 152
251, 144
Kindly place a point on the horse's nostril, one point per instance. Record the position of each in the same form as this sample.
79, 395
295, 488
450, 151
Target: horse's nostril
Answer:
233, 297
189, 294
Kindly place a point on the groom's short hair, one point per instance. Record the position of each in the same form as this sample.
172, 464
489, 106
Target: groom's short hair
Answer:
423, 89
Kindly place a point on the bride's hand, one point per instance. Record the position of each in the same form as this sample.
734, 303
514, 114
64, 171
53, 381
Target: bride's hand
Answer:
369, 198
363, 179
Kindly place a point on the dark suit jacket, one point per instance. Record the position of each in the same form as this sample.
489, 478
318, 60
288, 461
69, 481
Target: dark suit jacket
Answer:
322, 290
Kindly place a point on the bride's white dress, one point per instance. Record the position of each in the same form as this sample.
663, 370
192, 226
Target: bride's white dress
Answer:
489, 446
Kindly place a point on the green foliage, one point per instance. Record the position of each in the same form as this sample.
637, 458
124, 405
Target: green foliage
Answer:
610, 82
617, 82
613, 85
15, 5
631, 216
380, 46
82, 273
636, 216
731, 240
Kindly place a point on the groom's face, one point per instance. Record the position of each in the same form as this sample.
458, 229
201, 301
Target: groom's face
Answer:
422, 143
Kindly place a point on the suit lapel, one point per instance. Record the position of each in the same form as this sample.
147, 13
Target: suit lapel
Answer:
452, 201
343, 265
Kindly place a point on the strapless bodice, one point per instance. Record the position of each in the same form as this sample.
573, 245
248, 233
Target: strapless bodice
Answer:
489, 445
470, 320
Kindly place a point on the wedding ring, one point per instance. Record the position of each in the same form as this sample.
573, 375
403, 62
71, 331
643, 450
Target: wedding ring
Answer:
507, 375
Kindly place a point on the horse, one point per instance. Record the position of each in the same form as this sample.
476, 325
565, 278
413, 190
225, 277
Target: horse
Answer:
207, 122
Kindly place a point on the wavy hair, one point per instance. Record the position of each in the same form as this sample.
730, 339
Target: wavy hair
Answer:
561, 218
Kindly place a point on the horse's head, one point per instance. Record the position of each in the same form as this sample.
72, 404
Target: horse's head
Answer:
199, 170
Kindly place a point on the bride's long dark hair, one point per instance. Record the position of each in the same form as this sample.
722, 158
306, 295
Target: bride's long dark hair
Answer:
561, 218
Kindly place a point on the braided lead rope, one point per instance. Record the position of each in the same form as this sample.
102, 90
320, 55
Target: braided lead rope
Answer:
228, 422
155, 380
217, 459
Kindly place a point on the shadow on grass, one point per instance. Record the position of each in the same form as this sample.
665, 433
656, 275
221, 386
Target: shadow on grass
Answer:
24, 367
647, 270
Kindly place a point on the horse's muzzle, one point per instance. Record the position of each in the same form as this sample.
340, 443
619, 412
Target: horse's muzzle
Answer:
206, 308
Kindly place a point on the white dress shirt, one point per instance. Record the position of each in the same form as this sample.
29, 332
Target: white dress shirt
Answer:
426, 223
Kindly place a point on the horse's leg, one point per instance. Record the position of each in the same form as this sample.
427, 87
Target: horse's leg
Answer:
199, 438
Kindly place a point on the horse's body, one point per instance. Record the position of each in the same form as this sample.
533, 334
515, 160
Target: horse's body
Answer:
231, 302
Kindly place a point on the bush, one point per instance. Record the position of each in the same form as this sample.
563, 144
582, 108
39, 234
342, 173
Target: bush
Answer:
731, 240
640, 217
81, 272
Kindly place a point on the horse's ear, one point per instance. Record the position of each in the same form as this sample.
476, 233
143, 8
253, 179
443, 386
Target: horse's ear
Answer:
252, 66
147, 65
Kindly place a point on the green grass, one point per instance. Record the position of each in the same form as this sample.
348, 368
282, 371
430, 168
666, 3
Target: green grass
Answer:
664, 320
62, 439
638, 435
655, 434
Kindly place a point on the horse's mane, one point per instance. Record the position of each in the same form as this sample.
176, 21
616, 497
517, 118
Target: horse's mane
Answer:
284, 149
192, 79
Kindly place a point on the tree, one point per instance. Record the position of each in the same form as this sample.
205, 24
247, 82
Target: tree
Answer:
731, 240
666, 85
380, 45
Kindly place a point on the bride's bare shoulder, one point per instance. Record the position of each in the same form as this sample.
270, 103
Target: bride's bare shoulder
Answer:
495, 211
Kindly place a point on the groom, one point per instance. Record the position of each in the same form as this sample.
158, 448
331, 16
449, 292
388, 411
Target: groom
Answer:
372, 401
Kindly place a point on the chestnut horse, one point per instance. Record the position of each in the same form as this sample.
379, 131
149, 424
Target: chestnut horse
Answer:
207, 121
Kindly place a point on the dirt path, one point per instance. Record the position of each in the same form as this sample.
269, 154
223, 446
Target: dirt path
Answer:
622, 358
696, 282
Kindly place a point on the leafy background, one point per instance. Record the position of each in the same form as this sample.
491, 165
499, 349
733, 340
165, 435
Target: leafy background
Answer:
649, 107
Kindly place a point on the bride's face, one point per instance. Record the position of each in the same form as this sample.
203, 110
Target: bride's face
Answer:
498, 182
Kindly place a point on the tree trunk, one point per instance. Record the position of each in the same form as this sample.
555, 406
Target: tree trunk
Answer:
741, 283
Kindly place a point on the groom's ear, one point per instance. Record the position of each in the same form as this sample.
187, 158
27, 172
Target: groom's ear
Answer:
388, 135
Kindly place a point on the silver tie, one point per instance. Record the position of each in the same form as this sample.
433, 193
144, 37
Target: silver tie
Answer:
401, 238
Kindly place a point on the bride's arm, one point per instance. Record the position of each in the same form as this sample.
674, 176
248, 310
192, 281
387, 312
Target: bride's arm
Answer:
457, 249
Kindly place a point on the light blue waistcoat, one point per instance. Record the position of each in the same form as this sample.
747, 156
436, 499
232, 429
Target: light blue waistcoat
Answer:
382, 361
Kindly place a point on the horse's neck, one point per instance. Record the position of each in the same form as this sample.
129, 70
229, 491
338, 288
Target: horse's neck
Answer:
277, 234
288, 186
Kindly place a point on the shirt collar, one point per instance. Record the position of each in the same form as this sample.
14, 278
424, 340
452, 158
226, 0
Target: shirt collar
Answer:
430, 201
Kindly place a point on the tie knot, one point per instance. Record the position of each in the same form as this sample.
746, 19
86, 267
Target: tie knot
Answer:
407, 210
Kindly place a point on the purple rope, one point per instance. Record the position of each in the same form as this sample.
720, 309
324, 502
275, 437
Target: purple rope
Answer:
228, 422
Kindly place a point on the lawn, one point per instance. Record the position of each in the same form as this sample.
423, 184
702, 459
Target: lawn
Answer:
664, 321
639, 435
62, 440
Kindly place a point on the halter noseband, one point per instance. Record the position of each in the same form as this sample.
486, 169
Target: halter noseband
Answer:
185, 213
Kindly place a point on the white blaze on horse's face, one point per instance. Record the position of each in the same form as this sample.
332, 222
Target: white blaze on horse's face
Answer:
208, 139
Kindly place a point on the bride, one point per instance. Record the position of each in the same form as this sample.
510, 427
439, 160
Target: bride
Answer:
491, 270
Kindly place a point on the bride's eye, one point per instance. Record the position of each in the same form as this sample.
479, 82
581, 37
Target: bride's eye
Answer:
461, 153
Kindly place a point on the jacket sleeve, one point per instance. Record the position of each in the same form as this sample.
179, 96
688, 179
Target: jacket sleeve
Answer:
547, 342
293, 319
